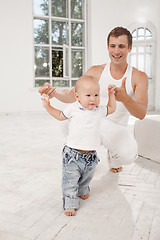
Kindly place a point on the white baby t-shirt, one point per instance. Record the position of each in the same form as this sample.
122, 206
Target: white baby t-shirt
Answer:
84, 127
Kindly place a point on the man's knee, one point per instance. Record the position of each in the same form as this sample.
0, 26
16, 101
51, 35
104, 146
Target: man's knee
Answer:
124, 156
129, 156
129, 159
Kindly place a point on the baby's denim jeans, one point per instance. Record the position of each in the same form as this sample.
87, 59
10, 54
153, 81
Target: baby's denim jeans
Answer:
78, 170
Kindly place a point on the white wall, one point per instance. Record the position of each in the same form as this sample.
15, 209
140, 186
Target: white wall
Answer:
16, 61
16, 56
16, 45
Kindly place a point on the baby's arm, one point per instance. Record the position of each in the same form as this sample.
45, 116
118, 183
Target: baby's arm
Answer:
51, 110
111, 99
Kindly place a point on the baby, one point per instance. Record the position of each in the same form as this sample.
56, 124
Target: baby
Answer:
79, 153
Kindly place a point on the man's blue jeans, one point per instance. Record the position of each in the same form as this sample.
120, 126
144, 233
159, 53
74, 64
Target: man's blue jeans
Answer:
78, 170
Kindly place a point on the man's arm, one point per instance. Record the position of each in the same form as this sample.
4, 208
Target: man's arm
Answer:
137, 107
68, 95
65, 95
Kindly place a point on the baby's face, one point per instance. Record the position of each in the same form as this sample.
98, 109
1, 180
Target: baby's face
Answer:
88, 96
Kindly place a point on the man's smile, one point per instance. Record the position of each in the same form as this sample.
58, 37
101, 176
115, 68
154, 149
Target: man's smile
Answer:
116, 57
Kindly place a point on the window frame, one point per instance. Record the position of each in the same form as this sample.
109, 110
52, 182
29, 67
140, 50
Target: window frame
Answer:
146, 42
71, 48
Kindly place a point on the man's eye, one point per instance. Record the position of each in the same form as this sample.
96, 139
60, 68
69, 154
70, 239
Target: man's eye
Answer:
121, 46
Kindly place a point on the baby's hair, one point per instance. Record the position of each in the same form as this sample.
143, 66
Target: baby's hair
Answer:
82, 80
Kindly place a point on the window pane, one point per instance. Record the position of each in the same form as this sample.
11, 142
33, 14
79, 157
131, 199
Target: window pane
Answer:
134, 34
60, 83
141, 62
133, 49
77, 34
60, 33
141, 49
41, 7
59, 41
59, 8
133, 60
57, 63
149, 48
149, 65
140, 33
149, 80
77, 9
41, 62
148, 34
39, 83
66, 61
151, 94
73, 83
41, 34
77, 67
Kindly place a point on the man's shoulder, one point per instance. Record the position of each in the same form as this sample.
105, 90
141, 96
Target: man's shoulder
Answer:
99, 68
138, 73
96, 70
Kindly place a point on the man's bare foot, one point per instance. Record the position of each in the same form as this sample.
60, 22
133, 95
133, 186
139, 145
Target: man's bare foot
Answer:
84, 197
70, 212
115, 170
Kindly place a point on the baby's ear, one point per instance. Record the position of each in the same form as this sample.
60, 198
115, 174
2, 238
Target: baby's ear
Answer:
76, 95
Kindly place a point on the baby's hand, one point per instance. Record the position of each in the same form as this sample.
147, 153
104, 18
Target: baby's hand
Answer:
111, 89
45, 100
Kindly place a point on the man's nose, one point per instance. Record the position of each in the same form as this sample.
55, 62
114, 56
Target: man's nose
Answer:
116, 50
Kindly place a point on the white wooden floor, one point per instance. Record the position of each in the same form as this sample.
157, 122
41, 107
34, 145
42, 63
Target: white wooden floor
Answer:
121, 206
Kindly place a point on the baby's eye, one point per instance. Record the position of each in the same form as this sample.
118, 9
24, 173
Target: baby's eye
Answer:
88, 95
96, 95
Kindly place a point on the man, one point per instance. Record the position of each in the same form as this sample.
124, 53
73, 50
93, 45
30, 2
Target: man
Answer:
131, 96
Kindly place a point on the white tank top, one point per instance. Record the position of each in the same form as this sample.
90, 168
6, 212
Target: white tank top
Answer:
121, 115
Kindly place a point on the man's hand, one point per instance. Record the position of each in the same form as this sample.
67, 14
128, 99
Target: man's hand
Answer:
47, 89
120, 92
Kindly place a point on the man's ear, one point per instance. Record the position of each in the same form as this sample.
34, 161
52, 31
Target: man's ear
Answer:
130, 48
76, 96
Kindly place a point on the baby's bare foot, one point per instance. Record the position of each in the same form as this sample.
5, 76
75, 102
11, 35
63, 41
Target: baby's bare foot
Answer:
70, 212
84, 197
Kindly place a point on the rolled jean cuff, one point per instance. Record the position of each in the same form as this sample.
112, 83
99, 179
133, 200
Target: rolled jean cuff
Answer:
69, 203
83, 191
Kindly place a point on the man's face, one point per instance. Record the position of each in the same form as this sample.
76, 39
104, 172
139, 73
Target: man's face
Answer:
118, 49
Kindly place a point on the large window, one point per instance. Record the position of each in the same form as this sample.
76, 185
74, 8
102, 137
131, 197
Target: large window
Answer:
59, 41
142, 57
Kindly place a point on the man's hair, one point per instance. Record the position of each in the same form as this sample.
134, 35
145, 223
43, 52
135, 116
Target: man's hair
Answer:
119, 31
